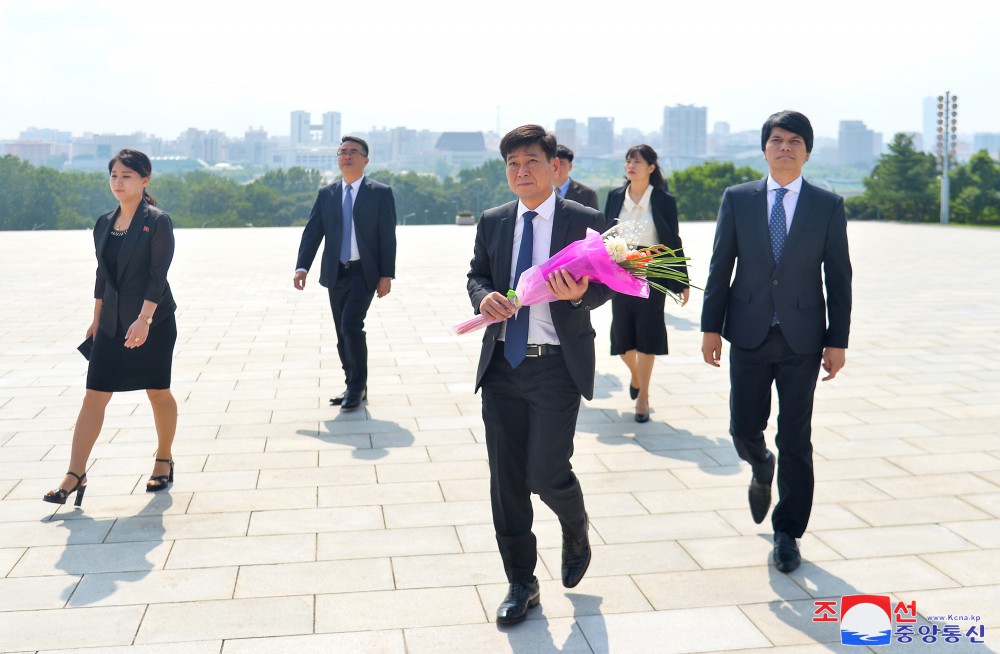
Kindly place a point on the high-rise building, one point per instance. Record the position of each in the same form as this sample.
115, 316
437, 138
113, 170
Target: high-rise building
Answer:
600, 135
300, 133
566, 132
857, 144
331, 128
989, 141
685, 131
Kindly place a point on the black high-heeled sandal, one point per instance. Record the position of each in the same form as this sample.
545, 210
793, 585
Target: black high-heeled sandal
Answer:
160, 482
61, 495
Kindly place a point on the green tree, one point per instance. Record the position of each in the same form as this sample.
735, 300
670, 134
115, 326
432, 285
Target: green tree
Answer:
699, 189
904, 184
975, 191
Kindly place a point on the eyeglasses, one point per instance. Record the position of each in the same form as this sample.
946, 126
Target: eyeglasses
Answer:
350, 153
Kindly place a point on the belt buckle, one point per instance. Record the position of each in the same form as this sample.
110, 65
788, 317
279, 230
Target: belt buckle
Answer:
533, 351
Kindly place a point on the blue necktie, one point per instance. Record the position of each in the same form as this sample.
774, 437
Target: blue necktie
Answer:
778, 229
516, 339
345, 239
777, 224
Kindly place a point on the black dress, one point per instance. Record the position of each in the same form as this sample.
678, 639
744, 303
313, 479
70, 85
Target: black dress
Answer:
115, 368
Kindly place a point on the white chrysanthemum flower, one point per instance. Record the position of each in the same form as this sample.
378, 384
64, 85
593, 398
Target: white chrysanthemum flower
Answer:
617, 248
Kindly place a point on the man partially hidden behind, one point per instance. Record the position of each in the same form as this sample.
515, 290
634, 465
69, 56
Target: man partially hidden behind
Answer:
533, 367
571, 189
357, 217
787, 239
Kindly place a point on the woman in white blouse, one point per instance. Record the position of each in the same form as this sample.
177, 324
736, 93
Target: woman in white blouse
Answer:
638, 331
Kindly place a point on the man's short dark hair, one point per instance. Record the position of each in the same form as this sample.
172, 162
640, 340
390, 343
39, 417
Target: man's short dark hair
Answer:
355, 139
526, 136
562, 152
792, 121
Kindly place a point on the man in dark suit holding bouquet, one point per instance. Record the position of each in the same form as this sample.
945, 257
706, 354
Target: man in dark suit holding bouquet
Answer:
788, 241
534, 366
357, 217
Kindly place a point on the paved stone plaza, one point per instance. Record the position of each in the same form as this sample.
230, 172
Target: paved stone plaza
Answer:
293, 528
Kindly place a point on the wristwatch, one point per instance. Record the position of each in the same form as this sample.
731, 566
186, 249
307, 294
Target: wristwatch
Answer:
146, 319
576, 303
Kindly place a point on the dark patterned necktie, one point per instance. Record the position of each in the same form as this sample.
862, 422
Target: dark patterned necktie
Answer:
516, 339
776, 225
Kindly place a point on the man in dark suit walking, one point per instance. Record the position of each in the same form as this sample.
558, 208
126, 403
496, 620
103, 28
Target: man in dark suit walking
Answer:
571, 189
534, 366
786, 239
357, 217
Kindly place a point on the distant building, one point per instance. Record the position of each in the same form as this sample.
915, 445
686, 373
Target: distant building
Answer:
252, 150
857, 145
301, 130
36, 153
566, 132
600, 136
631, 136
463, 149
47, 135
989, 141
685, 134
331, 128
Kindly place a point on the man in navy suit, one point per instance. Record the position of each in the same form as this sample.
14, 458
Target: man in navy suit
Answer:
570, 188
787, 240
357, 217
533, 367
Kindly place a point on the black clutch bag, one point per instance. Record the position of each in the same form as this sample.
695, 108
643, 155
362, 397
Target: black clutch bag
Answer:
85, 347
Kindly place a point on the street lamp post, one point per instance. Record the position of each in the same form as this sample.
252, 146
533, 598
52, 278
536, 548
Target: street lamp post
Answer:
947, 140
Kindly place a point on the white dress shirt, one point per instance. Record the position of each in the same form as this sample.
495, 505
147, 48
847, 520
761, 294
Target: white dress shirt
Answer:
791, 199
541, 331
638, 219
355, 253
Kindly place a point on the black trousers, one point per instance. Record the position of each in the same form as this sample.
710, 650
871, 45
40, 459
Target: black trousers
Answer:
751, 373
530, 417
350, 298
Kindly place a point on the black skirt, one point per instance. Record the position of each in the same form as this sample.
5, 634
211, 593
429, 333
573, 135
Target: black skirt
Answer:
115, 368
638, 324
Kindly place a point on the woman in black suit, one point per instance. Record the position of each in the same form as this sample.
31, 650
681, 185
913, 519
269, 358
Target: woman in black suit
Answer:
638, 332
133, 330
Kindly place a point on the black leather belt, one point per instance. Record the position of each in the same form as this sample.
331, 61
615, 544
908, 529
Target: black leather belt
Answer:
350, 264
544, 350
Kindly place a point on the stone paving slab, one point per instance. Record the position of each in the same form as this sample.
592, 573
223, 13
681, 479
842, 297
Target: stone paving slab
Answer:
293, 527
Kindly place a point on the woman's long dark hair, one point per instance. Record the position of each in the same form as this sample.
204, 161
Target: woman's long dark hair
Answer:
137, 161
648, 155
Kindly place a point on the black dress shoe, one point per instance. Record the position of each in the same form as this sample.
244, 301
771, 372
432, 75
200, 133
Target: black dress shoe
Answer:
352, 400
576, 555
760, 492
520, 597
786, 552
633, 392
760, 500
642, 417
339, 399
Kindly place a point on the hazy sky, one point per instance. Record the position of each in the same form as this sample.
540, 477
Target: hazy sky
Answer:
161, 67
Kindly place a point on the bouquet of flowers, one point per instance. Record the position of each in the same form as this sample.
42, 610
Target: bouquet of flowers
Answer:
611, 259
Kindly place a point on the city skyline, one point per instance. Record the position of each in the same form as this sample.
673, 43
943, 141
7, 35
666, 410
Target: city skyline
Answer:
87, 66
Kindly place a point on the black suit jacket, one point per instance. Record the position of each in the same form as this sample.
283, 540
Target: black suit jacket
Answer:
585, 195
491, 268
143, 262
374, 227
815, 254
663, 206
